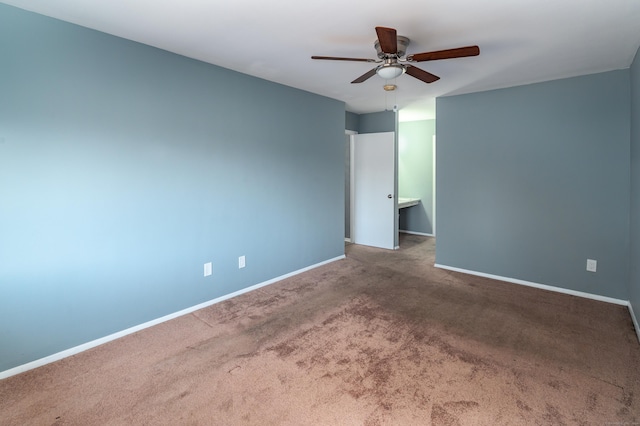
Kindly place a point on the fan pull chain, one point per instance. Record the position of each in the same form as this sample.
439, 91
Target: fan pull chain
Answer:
390, 88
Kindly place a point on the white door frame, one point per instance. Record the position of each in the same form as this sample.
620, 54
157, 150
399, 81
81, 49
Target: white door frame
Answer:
350, 133
433, 188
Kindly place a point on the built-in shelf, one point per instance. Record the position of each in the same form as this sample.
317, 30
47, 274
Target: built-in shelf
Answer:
403, 203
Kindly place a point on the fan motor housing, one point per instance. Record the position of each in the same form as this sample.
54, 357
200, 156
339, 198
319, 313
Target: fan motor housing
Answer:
403, 42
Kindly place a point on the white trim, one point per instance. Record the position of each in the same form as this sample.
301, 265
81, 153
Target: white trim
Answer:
536, 285
433, 187
424, 234
350, 133
92, 344
635, 321
352, 180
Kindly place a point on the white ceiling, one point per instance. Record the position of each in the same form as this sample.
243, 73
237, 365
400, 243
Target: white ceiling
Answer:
521, 41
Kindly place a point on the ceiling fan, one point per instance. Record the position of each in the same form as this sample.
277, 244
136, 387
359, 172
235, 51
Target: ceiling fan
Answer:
391, 49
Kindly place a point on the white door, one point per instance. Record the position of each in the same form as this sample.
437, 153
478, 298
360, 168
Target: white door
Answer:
373, 197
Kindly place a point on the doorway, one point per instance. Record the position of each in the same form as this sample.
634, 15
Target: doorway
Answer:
417, 176
348, 184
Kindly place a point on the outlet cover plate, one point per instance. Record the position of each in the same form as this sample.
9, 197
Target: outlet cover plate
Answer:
592, 265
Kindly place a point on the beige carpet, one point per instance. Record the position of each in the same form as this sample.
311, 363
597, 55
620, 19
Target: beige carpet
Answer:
381, 338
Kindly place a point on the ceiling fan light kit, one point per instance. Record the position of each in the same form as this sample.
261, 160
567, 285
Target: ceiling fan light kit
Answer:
390, 71
391, 48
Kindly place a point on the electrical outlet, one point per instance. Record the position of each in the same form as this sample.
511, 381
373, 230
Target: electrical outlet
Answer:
208, 269
592, 265
241, 262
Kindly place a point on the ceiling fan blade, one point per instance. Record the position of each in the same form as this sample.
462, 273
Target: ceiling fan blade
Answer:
420, 74
460, 52
336, 58
388, 38
365, 76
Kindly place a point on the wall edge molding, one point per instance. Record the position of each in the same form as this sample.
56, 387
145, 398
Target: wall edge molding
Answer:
636, 326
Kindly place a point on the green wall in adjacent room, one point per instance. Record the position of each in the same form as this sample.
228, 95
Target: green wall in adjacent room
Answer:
416, 174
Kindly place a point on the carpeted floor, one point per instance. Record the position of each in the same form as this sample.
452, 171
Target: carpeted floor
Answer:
381, 338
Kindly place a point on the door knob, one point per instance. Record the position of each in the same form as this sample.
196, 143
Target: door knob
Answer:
389, 196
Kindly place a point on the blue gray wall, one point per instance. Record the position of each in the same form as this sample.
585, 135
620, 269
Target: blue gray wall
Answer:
374, 122
415, 174
352, 121
533, 180
124, 168
634, 283
377, 122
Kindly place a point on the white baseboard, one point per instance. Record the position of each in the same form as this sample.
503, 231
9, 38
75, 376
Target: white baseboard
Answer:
92, 344
536, 285
424, 234
635, 321
636, 324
